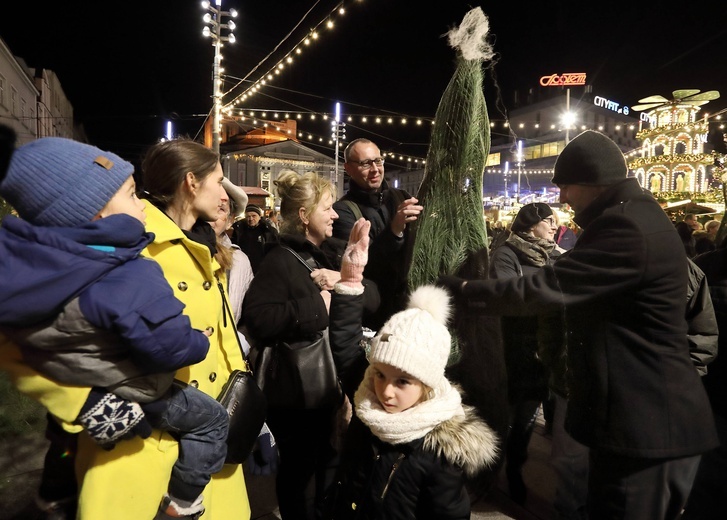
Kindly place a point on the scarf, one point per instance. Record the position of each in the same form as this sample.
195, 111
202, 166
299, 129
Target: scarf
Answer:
532, 250
203, 233
411, 424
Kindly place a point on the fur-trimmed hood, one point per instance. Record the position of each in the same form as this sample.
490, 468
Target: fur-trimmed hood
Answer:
465, 441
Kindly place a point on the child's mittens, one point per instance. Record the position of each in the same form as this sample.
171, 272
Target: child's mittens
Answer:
107, 418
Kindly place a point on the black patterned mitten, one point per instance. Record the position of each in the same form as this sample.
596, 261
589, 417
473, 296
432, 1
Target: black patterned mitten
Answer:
108, 418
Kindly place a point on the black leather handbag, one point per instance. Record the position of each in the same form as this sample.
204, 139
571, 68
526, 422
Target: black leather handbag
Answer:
247, 408
300, 374
245, 403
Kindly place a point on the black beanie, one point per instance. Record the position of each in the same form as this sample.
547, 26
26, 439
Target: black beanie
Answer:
530, 215
590, 158
253, 208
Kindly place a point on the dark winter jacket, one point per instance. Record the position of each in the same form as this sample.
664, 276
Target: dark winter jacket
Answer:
252, 240
415, 480
714, 265
87, 310
702, 330
419, 480
634, 390
387, 253
283, 302
526, 374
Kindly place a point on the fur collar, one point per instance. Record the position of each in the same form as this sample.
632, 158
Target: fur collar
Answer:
465, 441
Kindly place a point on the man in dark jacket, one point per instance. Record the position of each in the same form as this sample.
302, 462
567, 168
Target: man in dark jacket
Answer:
707, 500
390, 211
252, 234
635, 398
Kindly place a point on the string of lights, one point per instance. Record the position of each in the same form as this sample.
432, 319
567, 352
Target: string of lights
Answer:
289, 58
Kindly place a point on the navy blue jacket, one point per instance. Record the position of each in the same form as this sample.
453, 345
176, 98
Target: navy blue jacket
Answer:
87, 309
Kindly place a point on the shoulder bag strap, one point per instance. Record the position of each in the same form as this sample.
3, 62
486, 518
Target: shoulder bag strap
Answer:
300, 258
228, 312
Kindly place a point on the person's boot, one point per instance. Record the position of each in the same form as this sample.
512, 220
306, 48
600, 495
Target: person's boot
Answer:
170, 510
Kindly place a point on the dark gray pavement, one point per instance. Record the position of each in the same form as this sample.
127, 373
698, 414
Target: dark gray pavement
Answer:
22, 452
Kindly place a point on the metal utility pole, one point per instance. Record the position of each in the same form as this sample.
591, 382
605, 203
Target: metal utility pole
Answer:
339, 134
214, 19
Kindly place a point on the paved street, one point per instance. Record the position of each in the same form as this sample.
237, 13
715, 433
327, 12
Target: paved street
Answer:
21, 460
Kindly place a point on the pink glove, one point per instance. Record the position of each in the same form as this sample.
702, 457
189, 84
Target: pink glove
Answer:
356, 255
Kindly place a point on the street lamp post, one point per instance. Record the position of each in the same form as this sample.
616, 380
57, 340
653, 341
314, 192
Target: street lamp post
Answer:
339, 134
214, 19
519, 167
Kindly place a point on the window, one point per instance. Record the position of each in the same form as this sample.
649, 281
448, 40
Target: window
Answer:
13, 101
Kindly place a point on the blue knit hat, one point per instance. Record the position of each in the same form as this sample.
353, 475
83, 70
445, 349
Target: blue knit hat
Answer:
59, 182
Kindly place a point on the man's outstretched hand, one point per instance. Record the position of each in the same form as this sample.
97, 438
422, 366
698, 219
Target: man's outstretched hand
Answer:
454, 284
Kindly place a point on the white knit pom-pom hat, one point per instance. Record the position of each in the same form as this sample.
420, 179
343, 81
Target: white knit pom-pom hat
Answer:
416, 340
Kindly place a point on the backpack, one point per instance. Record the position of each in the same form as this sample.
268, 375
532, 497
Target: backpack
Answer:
356, 210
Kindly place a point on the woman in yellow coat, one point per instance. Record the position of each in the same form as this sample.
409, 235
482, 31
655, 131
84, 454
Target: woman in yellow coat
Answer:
183, 181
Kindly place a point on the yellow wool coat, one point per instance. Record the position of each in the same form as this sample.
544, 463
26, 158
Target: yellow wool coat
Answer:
129, 481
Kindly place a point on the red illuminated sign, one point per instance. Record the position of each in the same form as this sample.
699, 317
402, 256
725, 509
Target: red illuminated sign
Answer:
567, 79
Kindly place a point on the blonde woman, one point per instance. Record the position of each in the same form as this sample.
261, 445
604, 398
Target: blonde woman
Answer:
287, 302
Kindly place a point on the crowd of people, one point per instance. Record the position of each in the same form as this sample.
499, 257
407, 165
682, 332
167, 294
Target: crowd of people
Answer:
125, 316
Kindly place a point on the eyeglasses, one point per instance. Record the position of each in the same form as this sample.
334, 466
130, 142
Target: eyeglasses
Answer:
550, 221
368, 164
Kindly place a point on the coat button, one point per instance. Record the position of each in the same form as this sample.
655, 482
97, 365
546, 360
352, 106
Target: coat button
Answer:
213, 377
207, 286
182, 286
194, 383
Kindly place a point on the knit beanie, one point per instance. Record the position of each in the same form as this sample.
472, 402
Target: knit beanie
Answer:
590, 158
253, 207
416, 340
530, 215
59, 182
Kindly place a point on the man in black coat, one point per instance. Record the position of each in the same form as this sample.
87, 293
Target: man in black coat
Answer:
635, 398
390, 211
252, 233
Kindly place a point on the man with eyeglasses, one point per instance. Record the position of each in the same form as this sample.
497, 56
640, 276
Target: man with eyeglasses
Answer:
635, 398
390, 211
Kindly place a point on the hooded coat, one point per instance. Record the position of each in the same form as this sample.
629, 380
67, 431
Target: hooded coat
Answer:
417, 480
421, 479
129, 481
124, 296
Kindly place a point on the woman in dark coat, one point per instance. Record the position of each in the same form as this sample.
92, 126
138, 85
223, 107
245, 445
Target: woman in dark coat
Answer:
287, 302
529, 247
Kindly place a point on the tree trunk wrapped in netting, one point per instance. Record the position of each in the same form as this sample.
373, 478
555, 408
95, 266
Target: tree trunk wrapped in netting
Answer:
450, 235
452, 225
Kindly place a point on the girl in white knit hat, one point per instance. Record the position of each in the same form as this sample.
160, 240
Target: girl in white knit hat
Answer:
411, 440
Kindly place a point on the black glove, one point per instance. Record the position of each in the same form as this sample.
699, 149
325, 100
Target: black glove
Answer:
453, 283
264, 457
107, 418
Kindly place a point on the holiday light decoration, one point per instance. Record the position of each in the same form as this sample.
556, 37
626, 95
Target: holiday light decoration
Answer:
328, 22
672, 155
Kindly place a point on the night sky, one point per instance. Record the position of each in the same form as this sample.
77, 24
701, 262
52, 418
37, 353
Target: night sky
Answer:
127, 67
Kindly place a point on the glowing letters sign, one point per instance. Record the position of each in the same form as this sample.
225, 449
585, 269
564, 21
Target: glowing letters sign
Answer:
616, 107
567, 79
610, 105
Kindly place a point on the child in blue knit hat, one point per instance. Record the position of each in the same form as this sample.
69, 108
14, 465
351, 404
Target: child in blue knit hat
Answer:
86, 309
